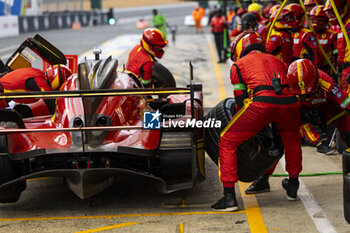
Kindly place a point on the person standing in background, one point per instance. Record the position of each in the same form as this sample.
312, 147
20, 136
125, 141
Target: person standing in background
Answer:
218, 24
197, 17
159, 21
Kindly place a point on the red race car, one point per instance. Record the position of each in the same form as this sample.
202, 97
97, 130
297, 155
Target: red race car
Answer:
105, 126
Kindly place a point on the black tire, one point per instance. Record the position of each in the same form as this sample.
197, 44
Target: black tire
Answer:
346, 185
8, 171
222, 111
254, 156
162, 77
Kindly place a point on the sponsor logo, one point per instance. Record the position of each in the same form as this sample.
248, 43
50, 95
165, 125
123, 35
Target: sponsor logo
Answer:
152, 120
339, 95
334, 90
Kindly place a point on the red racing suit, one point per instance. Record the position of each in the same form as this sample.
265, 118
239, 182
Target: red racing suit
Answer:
140, 63
280, 44
218, 24
332, 100
305, 46
263, 106
344, 55
27, 79
328, 41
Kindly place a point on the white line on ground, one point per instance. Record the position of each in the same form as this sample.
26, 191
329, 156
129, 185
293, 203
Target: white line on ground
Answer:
312, 207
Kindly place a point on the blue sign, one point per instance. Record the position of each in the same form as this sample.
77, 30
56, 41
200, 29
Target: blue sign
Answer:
11, 7
151, 120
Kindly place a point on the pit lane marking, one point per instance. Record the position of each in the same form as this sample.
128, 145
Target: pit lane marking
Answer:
181, 228
118, 216
108, 227
251, 206
312, 207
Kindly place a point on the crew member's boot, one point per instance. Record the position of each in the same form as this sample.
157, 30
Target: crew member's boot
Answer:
260, 185
228, 202
323, 148
291, 185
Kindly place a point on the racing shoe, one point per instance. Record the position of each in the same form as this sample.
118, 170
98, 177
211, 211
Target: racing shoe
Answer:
227, 203
324, 149
291, 186
260, 185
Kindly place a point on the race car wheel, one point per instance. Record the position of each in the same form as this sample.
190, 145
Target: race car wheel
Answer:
346, 184
254, 156
162, 77
223, 112
8, 171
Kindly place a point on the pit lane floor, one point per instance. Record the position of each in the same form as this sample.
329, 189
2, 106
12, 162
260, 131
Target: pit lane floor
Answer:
134, 206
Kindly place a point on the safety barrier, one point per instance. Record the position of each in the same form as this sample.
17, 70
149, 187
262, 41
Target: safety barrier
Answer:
14, 25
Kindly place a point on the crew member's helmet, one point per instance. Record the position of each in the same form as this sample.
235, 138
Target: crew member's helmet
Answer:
273, 9
248, 21
298, 12
255, 7
266, 11
153, 41
57, 74
309, 4
302, 76
342, 7
246, 42
286, 20
318, 18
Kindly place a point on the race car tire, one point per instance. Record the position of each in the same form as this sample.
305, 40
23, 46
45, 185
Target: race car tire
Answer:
346, 184
162, 77
223, 111
254, 156
8, 172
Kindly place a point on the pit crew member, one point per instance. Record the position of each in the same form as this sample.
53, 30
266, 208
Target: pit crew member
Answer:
326, 37
280, 44
305, 44
32, 79
259, 98
142, 57
343, 60
316, 90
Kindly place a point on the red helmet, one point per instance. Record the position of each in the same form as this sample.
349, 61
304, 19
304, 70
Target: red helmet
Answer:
57, 74
342, 7
318, 18
309, 4
298, 12
246, 42
302, 76
153, 41
286, 19
273, 9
